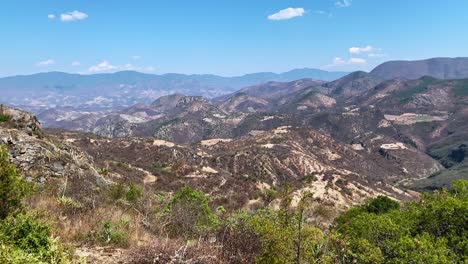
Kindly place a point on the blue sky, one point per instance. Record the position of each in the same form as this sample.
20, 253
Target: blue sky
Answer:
225, 37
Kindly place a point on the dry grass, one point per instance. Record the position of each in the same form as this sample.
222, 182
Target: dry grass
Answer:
72, 226
177, 251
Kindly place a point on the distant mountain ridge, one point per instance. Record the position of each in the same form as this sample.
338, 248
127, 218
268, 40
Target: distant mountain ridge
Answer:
126, 88
55, 79
440, 68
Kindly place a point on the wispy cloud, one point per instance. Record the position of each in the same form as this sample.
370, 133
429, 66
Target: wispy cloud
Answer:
366, 49
338, 62
45, 63
136, 57
73, 16
102, 67
343, 3
51, 16
75, 63
287, 13
105, 66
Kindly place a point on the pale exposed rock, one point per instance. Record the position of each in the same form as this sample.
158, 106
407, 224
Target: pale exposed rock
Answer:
211, 142
393, 146
263, 186
158, 142
384, 123
209, 170
282, 130
256, 132
412, 118
266, 118
357, 146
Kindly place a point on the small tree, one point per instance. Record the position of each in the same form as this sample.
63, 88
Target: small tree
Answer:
189, 213
13, 188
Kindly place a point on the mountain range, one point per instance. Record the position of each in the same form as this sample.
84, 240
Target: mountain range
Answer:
114, 90
263, 146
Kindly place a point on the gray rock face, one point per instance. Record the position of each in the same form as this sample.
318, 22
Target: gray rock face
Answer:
47, 160
21, 120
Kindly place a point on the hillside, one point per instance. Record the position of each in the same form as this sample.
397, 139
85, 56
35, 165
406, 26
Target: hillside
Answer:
440, 68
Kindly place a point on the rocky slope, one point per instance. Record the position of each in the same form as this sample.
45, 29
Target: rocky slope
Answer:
46, 160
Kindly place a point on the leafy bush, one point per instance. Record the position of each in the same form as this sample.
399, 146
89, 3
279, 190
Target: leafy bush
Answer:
13, 189
103, 171
4, 118
27, 239
265, 237
120, 193
134, 193
433, 230
13, 255
69, 205
110, 233
188, 214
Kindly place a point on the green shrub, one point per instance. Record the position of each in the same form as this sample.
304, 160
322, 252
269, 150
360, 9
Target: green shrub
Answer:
134, 193
69, 205
26, 238
13, 255
104, 171
13, 188
432, 230
189, 214
110, 233
266, 238
125, 195
4, 118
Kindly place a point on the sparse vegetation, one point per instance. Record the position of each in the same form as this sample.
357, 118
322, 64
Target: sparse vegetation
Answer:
4, 118
13, 189
421, 87
24, 238
104, 171
189, 215
461, 88
110, 233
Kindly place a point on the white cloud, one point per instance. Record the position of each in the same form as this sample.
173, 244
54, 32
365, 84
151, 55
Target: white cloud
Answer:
45, 63
75, 63
136, 57
343, 3
338, 61
366, 49
73, 16
287, 13
102, 67
51, 16
105, 66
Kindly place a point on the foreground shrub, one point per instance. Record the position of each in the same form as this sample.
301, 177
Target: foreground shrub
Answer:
13, 189
125, 194
189, 215
4, 118
25, 237
265, 237
109, 233
432, 230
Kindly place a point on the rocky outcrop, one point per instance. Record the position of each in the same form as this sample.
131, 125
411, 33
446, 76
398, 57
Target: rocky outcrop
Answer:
45, 159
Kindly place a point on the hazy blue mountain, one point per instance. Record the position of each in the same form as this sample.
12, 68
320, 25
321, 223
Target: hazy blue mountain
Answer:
440, 68
121, 89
